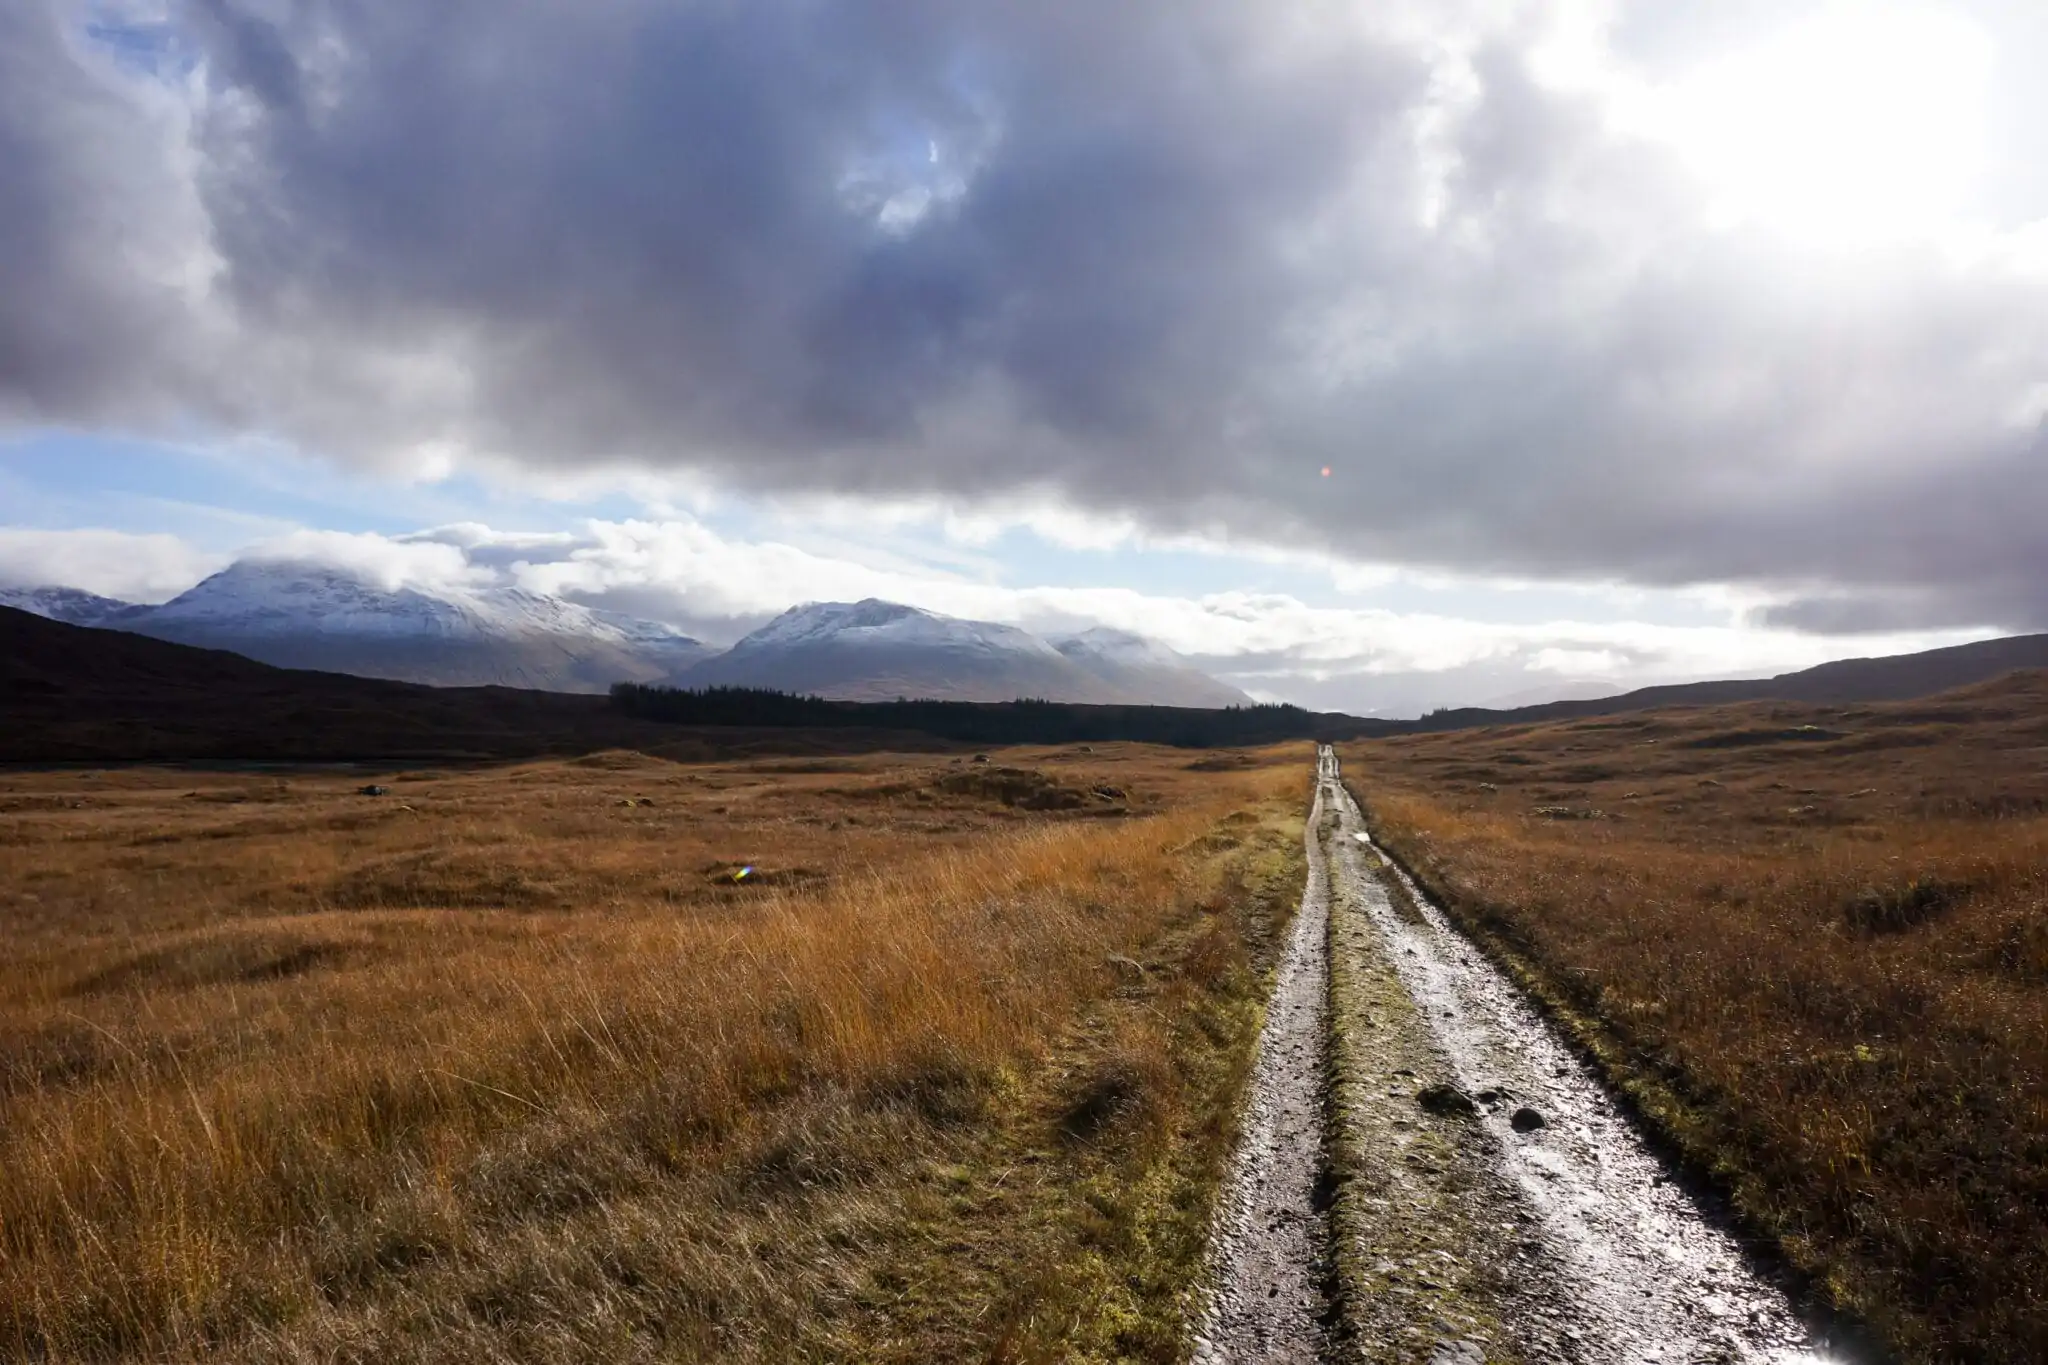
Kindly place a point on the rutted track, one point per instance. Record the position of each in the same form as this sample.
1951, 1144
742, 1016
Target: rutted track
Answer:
1459, 1235
1268, 1301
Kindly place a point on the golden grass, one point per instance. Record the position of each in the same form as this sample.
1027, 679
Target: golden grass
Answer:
1817, 957
498, 1066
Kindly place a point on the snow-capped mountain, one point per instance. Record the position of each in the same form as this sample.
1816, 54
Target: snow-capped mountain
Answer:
877, 651
73, 606
306, 615
302, 614
1144, 669
657, 641
875, 624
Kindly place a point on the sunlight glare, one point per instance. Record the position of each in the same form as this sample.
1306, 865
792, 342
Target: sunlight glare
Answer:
1862, 124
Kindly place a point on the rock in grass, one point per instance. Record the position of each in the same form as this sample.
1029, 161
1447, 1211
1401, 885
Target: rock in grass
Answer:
1127, 967
1525, 1120
1446, 1100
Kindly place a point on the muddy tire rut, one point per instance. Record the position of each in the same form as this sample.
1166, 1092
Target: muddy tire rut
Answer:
1270, 1296
1426, 1173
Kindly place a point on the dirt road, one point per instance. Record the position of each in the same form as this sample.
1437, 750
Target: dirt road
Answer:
1271, 1300
1428, 1175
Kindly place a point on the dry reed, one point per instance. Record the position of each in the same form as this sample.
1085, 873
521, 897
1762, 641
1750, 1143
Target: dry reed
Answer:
516, 1069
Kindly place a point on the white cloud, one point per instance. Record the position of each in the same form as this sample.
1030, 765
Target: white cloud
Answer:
474, 535
1547, 305
721, 586
1855, 124
379, 559
134, 568
1578, 662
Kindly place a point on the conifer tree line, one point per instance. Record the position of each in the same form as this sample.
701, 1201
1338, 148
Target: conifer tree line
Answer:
1009, 722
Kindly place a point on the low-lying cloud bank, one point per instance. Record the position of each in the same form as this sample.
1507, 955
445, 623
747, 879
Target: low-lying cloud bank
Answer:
1161, 260
1272, 645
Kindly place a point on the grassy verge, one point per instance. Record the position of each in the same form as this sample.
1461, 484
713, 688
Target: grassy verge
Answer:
514, 1069
1813, 965
1080, 1220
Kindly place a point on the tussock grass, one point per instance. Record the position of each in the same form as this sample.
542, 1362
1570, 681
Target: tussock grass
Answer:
486, 1068
1815, 959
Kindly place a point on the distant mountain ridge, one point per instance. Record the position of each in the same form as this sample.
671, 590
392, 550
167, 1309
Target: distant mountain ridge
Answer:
1138, 667
298, 614
76, 694
878, 651
1895, 677
73, 606
71, 694
301, 614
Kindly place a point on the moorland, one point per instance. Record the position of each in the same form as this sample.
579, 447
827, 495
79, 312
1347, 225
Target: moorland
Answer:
1812, 944
602, 1031
888, 1057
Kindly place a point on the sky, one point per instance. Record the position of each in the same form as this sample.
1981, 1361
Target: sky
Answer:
1380, 357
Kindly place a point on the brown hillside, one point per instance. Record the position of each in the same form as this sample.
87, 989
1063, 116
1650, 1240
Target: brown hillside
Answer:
1897, 677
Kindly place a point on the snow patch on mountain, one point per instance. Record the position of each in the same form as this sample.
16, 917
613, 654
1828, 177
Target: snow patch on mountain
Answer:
73, 606
315, 614
875, 650
1145, 670
310, 613
259, 598
1117, 646
878, 624
282, 597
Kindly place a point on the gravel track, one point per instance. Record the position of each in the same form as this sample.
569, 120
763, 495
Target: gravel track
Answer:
1268, 1300
1515, 1217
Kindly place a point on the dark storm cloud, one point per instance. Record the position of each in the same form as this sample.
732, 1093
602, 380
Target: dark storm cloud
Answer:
1164, 259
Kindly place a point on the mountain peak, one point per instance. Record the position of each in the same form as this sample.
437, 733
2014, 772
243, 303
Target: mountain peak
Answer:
810, 620
302, 613
874, 649
296, 596
877, 650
